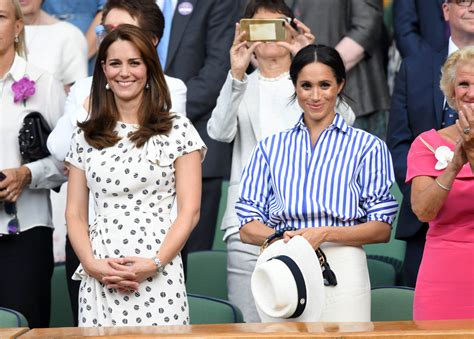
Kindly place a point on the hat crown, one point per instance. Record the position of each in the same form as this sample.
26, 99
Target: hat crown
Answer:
275, 289
282, 271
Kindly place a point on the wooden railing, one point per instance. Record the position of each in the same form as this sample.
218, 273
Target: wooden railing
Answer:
399, 329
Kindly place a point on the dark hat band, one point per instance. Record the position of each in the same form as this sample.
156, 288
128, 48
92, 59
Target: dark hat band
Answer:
300, 284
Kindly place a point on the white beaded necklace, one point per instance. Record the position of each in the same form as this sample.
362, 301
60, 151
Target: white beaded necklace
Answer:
277, 78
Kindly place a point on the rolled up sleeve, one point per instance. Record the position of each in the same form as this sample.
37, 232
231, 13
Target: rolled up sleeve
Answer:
255, 189
376, 178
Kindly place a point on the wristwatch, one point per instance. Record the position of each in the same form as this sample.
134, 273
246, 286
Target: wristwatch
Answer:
159, 267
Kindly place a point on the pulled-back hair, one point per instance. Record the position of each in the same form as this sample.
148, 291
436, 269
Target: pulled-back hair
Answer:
146, 12
153, 114
276, 6
323, 54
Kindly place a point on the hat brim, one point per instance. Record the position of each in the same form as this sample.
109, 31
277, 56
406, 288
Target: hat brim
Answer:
300, 250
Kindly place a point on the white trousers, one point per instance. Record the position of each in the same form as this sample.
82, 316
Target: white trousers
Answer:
349, 301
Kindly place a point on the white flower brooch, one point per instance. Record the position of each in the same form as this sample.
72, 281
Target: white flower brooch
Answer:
443, 154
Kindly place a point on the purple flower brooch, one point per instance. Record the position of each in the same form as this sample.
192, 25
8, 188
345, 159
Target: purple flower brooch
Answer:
23, 89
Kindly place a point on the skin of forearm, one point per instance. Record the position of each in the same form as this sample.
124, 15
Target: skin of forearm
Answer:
370, 232
470, 159
78, 232
178, 235
255, 232
427, 202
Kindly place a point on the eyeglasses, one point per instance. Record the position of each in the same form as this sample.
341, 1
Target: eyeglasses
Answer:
13, 225
462, 3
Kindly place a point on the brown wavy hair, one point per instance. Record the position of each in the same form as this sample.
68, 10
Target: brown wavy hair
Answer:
146, 12
154, 116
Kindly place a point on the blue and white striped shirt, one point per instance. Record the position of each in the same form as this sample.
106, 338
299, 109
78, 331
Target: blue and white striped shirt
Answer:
343, 180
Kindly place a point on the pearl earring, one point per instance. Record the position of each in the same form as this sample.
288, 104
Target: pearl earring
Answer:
147, 86
16, 39
107, 86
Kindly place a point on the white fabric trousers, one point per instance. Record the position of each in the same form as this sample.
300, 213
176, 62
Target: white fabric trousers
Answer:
349, 301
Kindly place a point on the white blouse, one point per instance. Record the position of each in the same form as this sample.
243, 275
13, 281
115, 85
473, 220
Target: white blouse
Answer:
34, 208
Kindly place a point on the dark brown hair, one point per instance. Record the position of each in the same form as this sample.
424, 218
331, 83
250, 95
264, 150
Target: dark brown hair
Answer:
326, 55
153, 114
276, 6
146, 12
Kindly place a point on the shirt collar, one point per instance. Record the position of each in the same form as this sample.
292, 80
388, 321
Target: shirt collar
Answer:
338, 123
18, 69
452, 46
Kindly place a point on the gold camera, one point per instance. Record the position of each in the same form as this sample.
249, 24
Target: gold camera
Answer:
263, 29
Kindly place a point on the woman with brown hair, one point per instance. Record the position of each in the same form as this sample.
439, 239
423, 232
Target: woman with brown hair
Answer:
135, 157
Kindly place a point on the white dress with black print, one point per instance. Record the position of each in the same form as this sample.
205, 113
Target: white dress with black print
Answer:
133, 190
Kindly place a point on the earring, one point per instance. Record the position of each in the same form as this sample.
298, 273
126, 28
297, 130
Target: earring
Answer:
107, 86
147, 86
16, 39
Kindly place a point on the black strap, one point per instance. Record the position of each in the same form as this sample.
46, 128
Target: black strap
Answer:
300, 284
329, 276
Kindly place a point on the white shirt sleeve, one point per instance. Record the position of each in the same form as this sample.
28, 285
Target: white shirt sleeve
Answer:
178, 91
59, 139
48, 172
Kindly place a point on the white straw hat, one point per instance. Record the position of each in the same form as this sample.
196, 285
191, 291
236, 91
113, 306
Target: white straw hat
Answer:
287, 283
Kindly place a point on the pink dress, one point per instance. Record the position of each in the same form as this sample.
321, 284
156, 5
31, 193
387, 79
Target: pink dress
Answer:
445, 283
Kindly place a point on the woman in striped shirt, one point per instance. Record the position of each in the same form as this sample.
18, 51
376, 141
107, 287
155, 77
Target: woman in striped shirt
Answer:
324, 180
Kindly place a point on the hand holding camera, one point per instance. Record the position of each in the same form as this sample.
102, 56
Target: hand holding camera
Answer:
240, 53
300, 36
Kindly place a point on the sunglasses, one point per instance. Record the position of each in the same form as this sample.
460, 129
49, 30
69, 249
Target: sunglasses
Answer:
13, 225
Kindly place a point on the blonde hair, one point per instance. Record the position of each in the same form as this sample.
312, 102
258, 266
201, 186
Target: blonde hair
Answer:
448, 72
20, 44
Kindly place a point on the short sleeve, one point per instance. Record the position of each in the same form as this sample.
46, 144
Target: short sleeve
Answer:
182, 139
186, 138
421, 160
75, 156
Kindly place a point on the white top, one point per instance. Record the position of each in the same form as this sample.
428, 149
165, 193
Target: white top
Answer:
33, 205
59, 139
277, 107
60, 48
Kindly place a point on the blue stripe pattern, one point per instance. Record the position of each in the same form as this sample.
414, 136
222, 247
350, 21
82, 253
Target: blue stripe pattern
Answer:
343, 180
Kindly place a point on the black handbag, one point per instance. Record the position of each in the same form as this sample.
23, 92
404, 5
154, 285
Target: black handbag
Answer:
33, 136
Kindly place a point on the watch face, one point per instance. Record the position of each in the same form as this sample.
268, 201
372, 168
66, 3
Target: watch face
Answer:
159, 267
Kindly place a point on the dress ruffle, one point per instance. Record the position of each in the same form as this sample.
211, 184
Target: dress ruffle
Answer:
183, 135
